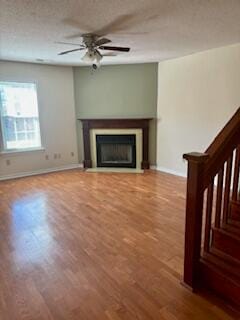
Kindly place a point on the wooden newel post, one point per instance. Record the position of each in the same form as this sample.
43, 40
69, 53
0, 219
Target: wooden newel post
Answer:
194, 208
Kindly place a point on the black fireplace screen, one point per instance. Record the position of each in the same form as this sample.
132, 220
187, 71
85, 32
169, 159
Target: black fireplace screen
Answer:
116, 151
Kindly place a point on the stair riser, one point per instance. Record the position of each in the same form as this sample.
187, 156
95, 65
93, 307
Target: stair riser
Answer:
226, 243
235, 215
235, 211
220, 284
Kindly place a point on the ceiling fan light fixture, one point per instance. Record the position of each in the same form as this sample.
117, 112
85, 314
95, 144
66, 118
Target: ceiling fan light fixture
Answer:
98, 57
93, 57
89, 57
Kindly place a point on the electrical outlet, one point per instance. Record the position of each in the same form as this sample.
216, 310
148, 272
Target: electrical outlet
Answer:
47, 157
8, 162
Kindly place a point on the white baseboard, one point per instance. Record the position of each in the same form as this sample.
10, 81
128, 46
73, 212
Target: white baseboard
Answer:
75, 166
176, 173
41, 171
153, 167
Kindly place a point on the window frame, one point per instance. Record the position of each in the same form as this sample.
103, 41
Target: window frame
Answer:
3, 149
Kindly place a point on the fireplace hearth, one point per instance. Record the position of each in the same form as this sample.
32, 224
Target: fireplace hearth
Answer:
116, 151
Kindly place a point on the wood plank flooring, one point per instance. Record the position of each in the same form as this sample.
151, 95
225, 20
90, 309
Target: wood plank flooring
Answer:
86, 246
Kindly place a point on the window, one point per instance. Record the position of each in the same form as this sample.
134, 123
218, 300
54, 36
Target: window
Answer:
19, 119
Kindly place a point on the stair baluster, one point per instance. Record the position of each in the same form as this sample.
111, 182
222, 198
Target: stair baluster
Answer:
212, 257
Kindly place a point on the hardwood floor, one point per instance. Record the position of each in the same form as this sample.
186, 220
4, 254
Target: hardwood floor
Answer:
79, 246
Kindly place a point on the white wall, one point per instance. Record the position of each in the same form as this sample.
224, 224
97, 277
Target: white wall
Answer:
197, 95
57, 117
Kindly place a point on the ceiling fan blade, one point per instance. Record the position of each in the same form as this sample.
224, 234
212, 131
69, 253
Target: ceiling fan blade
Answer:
68, 51
124, 49
77, 25
112, 27
70, 43
123, 24
102, 41
74, 36
110, 54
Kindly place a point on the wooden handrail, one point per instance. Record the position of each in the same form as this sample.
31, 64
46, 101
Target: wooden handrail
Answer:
202, 169
219, 150
225, 135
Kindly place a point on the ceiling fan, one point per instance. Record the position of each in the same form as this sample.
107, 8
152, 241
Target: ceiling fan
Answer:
93, 43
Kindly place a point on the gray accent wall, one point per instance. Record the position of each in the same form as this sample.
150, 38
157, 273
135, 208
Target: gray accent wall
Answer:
117, 91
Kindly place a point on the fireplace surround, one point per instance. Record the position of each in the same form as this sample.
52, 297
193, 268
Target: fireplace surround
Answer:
139, 127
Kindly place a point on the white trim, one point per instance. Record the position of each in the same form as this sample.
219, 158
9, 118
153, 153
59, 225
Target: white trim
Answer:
18, 151
170, 171
41, 171
153, 167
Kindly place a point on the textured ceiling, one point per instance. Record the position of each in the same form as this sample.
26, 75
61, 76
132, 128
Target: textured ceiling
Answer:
154, 29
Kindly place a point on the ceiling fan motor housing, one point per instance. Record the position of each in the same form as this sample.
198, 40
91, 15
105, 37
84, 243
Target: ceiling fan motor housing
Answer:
90, 40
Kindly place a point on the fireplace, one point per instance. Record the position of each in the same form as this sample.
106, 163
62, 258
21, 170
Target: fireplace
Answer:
118, 150
117, 127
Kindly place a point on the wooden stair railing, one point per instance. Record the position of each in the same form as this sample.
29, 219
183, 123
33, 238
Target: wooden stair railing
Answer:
212, 189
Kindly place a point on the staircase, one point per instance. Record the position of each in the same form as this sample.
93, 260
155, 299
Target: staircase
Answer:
212, 232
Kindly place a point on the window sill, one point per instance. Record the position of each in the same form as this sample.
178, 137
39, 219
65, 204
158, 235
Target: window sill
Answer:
16, 152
